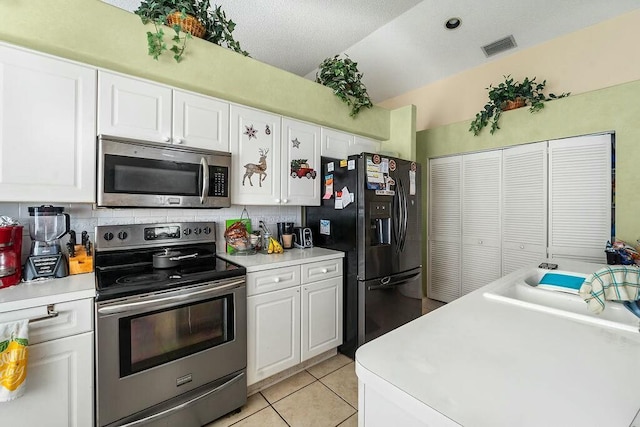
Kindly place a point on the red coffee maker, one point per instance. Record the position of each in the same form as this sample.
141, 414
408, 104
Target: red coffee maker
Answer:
10, 252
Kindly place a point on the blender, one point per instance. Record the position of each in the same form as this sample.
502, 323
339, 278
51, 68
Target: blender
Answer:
10, 251
47, 224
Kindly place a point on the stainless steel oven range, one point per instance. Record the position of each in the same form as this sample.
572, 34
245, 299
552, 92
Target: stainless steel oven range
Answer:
170, 326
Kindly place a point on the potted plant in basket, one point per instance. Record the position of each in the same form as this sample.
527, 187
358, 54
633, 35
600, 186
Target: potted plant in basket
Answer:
509, 95
187, 18
342, 75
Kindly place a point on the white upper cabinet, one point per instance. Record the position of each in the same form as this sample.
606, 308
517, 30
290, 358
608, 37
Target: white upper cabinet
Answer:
200, 121
361, 145
524, 206
256, 161
47, 128
301, 174
580, 197
139, 109
134, 108
335, 143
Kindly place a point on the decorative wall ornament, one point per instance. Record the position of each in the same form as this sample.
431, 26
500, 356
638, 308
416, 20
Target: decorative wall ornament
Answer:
251, 132
296, 143
260, 168
300, 168
267, 130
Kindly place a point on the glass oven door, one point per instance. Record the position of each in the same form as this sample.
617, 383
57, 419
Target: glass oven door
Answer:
161, 336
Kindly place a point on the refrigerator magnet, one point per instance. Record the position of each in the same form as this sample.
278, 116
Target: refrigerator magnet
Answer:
351, 165
325, 227
330, 167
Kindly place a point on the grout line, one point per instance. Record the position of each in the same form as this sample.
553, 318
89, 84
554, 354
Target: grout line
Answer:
329, 388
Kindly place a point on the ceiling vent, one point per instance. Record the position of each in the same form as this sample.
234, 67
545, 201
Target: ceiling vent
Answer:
499, 46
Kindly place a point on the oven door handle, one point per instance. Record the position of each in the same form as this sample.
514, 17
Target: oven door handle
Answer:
205, 180
119, 308
183, 405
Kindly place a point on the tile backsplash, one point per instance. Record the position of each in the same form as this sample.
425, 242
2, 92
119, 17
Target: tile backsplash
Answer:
84, 216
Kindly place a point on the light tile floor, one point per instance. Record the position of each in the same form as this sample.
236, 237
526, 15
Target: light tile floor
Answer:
324, 395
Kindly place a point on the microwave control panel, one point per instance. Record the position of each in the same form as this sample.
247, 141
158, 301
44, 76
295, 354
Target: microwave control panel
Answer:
218, 181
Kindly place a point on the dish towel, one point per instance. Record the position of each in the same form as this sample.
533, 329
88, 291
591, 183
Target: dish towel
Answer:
613, 283
14, 339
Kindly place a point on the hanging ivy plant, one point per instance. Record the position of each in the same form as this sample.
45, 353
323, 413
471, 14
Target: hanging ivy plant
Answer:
508, 95
342, 75
186, 18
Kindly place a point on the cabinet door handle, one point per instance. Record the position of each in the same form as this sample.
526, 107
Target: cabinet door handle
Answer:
277, 200
179, 140
166, 139
324, 271
285, 201
51, 313
521, 246
277, 280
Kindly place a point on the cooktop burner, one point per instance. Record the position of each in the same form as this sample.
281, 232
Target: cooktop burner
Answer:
130, 271
146, 278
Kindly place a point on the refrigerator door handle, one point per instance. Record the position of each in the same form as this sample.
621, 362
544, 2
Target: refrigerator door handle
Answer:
403, 215
397, 221
397, 282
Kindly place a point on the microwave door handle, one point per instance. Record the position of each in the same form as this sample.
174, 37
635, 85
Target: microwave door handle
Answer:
205, 180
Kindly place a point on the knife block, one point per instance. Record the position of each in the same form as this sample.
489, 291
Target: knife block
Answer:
81, 263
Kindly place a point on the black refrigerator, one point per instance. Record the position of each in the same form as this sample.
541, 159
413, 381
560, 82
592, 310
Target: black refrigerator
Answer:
371, 211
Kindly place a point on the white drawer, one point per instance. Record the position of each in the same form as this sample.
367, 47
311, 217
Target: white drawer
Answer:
260, 282
74, 317
314, 271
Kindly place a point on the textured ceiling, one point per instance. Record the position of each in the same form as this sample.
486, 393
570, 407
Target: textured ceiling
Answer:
400, 45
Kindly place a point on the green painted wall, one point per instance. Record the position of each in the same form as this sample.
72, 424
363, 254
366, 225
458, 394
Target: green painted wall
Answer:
611, 109
95, 33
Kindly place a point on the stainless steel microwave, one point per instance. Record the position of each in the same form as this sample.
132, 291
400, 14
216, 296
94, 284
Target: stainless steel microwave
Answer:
133, 173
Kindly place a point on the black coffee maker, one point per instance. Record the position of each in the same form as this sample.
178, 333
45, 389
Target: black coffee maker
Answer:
285, 234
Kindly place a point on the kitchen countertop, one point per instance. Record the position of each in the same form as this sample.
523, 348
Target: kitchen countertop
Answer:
51, 291
262, 261
482, 362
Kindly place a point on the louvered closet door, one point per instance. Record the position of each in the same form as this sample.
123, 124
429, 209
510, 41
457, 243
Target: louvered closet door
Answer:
524, 206
580, 197
481, 189
444, 254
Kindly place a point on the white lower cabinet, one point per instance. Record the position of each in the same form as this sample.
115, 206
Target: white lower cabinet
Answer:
321, 317
273, 333
289, 322
59, 385
59, 382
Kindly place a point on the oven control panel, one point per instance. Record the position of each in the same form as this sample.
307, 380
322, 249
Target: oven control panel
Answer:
115, 237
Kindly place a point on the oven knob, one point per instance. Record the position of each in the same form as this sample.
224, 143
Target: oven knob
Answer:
186, 231
108, 236
123, 235
197, 230
207, 230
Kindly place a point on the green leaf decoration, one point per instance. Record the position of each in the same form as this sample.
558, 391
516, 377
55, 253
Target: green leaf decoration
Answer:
342, 75
218, 29
22, 341
529, 91
4, 345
